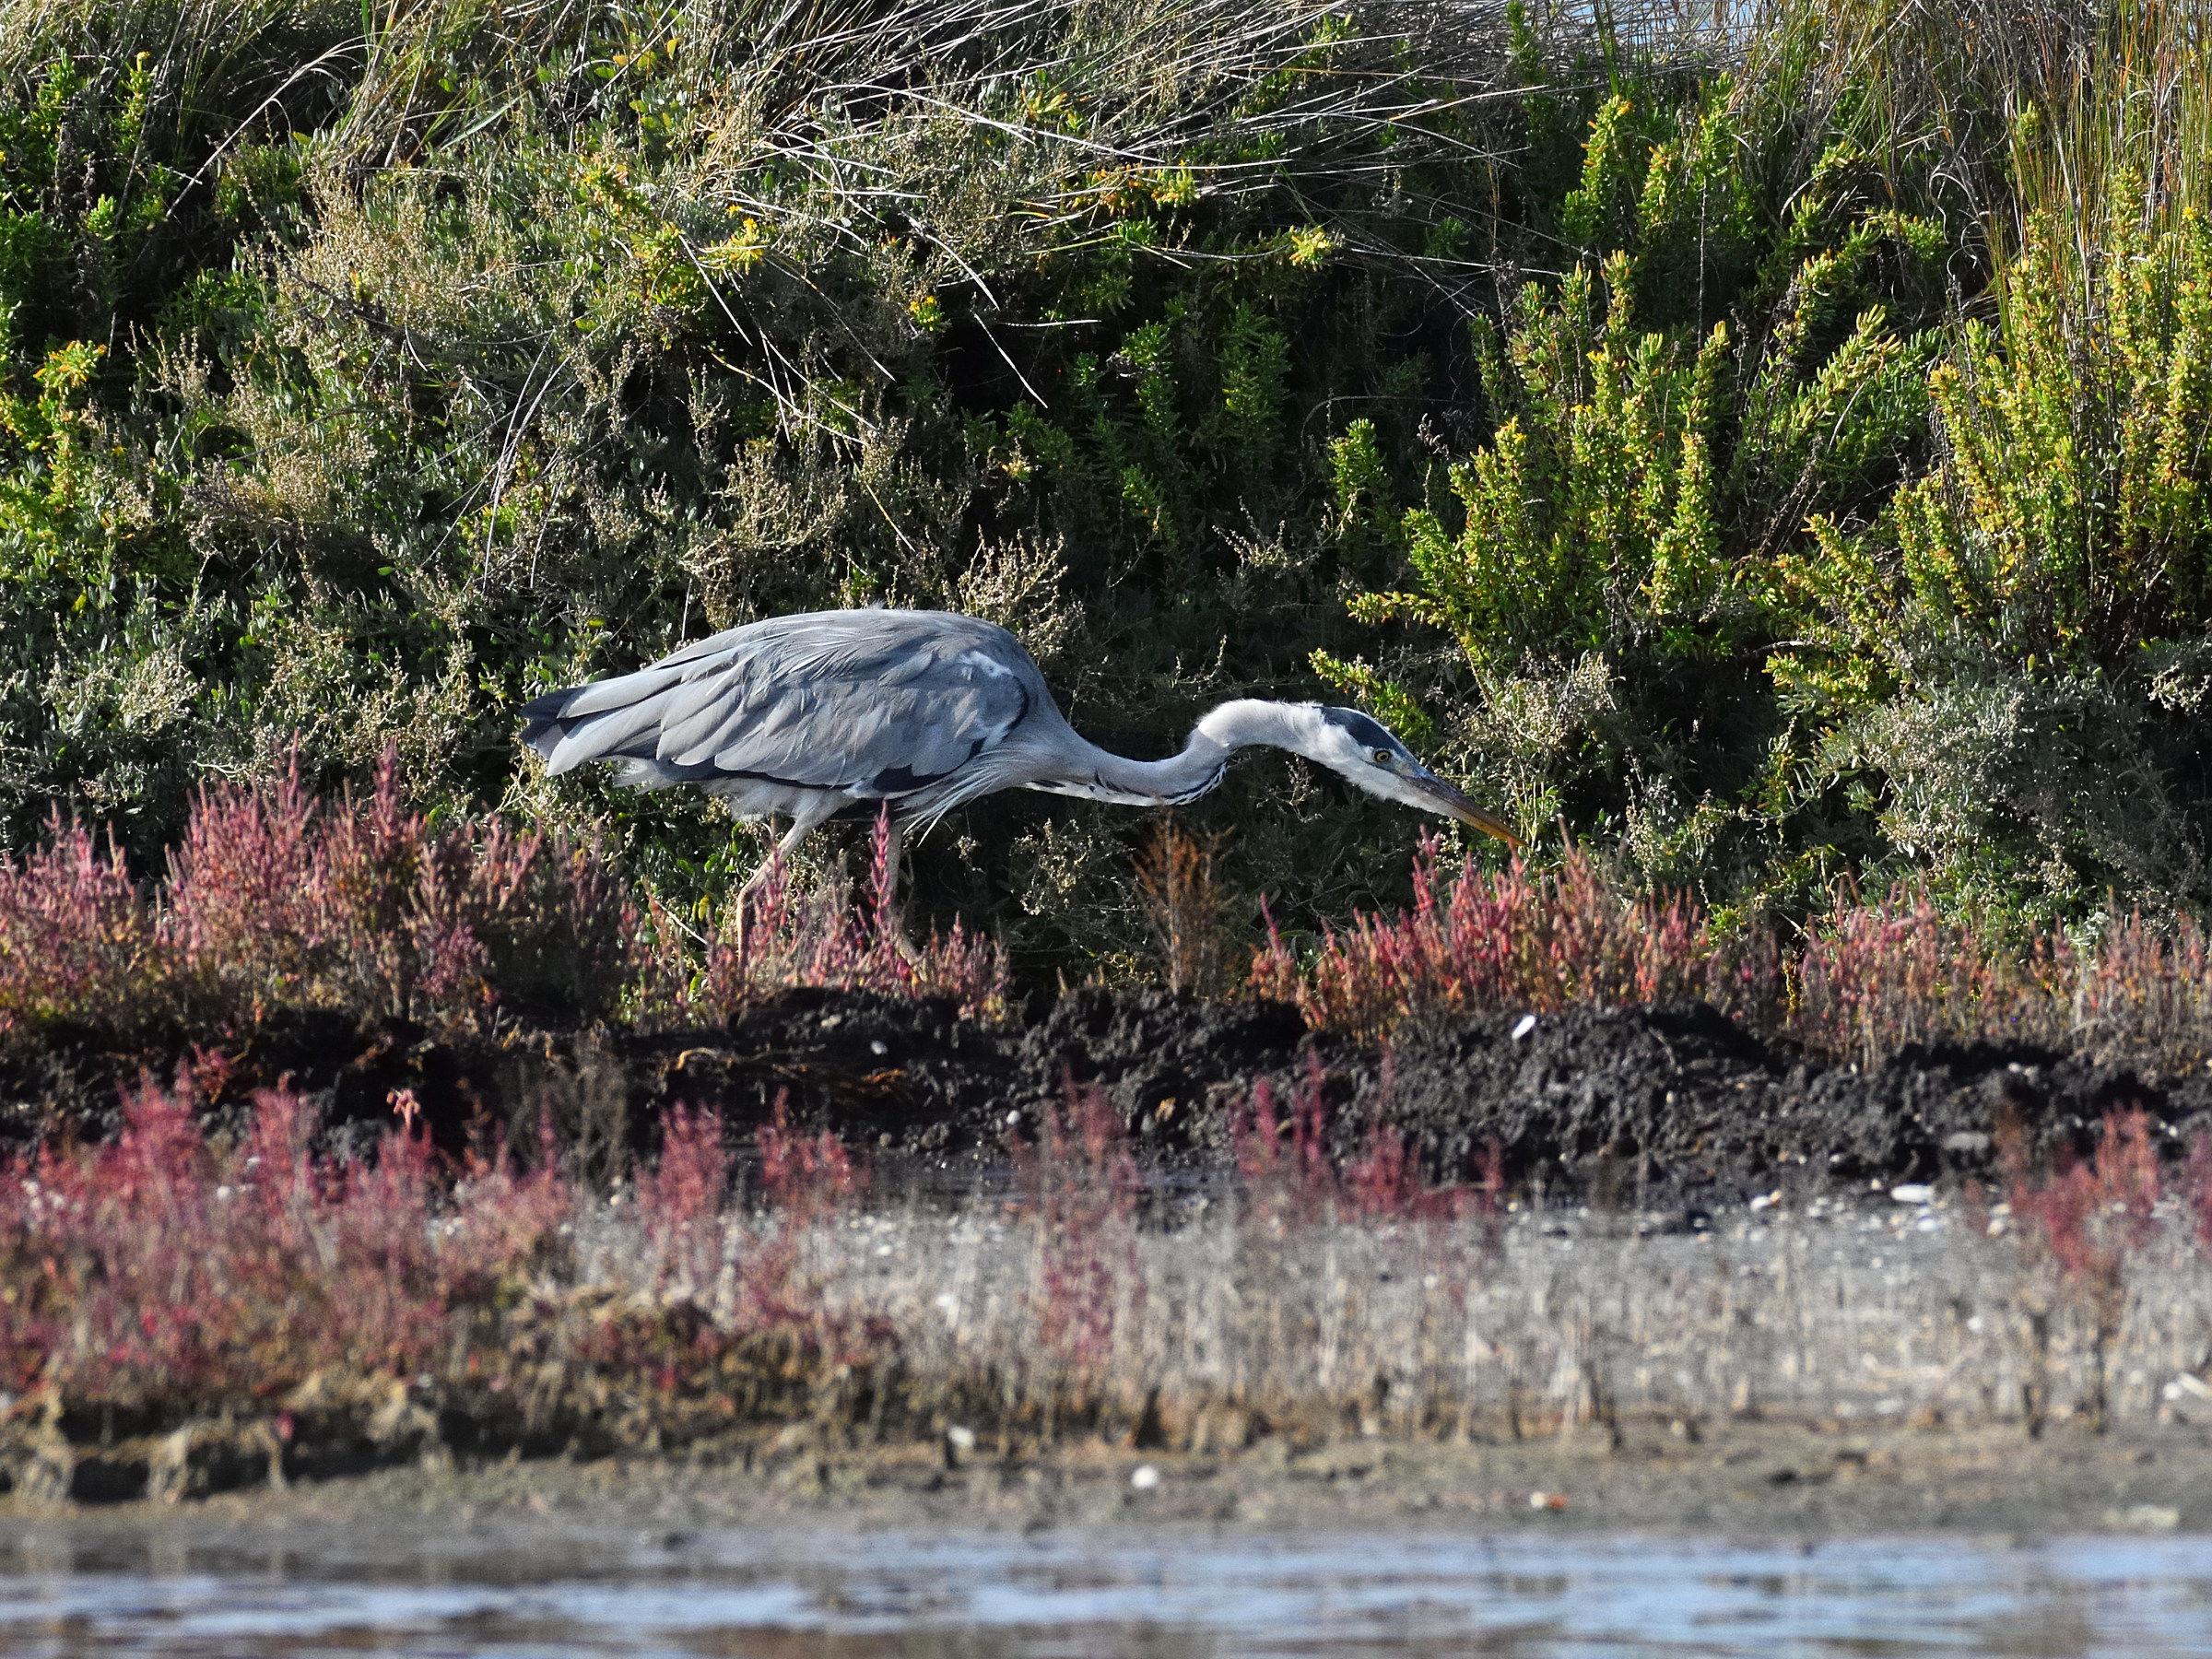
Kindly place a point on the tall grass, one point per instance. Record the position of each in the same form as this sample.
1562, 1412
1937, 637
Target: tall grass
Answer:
165, 1276
274, 901
1510, 939
165, 1285
1182, 899
780, 934
1862, 979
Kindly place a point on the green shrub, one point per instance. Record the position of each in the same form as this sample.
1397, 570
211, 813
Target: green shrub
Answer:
2015, 646
1619, 526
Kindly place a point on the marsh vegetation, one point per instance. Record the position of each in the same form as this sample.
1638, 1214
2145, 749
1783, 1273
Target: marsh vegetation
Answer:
1763, 452
185, 1315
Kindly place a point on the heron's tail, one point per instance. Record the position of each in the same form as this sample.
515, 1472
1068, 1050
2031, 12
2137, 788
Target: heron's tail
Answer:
618, 720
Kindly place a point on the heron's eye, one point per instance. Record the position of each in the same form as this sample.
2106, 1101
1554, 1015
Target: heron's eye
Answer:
1383, 757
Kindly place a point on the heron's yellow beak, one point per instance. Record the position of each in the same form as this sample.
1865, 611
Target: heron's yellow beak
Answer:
1452, 802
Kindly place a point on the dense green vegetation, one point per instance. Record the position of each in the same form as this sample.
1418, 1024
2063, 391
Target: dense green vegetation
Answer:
1776, 452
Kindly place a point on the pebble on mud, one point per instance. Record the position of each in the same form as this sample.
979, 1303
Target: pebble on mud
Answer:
959, 1441
1144, 1477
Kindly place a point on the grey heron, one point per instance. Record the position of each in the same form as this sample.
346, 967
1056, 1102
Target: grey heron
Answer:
847, 713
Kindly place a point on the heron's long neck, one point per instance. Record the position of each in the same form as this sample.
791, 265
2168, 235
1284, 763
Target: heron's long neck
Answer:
1184, 777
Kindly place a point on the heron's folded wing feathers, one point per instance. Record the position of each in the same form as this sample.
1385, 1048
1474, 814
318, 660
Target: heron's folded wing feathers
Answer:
623, 692
865, 738
873, 704
700, 715
600, 736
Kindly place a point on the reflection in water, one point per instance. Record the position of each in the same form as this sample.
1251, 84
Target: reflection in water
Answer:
859, 1595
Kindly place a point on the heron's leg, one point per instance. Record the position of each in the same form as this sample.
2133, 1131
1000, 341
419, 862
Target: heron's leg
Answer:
804, 822
801, 828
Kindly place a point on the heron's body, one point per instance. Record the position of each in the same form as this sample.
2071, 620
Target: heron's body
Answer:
849, 714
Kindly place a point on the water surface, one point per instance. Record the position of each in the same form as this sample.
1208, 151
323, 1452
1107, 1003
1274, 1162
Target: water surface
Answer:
1072, 1596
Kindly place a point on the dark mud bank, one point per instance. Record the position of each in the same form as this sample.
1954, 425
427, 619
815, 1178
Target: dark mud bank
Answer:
1615, 1103
1611, 1101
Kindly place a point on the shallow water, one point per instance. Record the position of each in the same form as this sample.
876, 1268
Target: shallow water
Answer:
1071, 1597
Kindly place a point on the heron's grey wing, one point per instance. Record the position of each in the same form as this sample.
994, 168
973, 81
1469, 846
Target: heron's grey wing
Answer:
868, 726
870, 704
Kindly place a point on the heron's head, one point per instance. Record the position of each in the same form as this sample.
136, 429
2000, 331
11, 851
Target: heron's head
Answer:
1358, 748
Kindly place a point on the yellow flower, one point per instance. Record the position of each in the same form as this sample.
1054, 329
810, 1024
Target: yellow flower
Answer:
1309, 245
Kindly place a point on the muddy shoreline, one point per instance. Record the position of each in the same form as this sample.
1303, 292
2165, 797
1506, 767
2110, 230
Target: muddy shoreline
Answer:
1610, 1126
1669, 1102
1752, 1480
